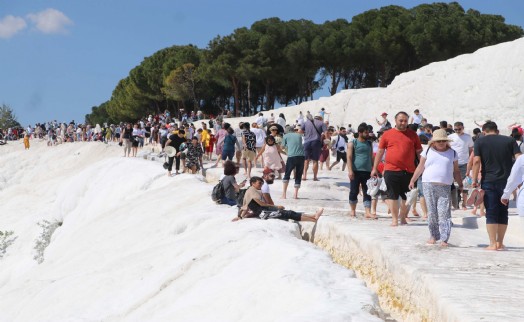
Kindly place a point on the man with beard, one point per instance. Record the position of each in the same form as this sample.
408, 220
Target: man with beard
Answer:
340, 146
402, 146
360, 153
269, 177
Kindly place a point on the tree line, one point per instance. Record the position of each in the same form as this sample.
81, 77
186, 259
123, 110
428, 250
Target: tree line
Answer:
285, 62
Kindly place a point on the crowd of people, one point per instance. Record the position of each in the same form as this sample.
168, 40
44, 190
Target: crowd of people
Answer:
444, 166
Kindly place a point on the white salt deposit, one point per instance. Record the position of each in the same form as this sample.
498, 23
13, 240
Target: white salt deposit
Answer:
487, 84
136, 245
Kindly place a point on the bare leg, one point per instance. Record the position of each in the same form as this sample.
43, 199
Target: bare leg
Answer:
334, 164
393, 207
315, 170
284, 189
424, 208
353, 209
501, 232
374, 207
306, 166
238, 154
369, 215
296, 193
492, 233
249, 166
245, 166
312, 218
464, 198
403, 212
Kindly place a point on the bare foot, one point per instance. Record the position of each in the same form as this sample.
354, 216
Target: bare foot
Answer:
394, 225
501, 246
304, 179
315, 179
283, 197
295, 197
235, 219
352, 213
371, 216
431, 241
319, 213
491, 247
403, 222
443, 244
424, 217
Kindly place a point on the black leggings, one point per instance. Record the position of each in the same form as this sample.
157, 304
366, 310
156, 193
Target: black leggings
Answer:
289, 214
170, 163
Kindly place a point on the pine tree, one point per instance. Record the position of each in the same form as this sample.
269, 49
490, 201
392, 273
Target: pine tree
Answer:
7, 117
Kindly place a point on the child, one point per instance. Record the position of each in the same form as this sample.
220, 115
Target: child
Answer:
26, 141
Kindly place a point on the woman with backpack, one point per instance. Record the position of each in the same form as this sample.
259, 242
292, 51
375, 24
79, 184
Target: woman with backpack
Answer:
438, 167
229, 183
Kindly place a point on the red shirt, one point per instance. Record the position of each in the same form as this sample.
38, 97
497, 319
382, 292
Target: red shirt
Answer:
400, 149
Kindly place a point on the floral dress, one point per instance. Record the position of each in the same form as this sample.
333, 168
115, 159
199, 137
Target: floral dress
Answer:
193, 155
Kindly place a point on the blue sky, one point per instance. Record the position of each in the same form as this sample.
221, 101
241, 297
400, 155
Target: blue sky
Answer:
59, 58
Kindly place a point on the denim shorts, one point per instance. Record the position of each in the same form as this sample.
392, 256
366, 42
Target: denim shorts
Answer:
312, 150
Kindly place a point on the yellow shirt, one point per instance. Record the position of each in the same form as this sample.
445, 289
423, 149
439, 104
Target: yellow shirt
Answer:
205, 138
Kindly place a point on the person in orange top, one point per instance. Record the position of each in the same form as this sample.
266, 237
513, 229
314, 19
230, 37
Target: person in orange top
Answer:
26, 141
403, 147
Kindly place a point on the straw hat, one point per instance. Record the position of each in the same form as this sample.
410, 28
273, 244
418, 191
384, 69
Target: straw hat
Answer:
439, 135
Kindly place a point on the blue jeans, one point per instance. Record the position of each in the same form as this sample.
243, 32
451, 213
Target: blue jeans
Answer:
496, 212
227, 201
296, 163
360, 180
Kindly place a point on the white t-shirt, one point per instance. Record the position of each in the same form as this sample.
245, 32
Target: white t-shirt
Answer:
260, 135
439, 166
417, 119
461, 144
265, 188
260, 120
340, 142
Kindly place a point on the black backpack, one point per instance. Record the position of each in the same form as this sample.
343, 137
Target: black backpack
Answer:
218, 192
240, 197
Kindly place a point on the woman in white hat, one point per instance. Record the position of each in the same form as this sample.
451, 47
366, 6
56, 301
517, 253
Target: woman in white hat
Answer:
440, 165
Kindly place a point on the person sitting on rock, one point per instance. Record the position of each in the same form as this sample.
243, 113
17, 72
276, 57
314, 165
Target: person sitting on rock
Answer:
253, 202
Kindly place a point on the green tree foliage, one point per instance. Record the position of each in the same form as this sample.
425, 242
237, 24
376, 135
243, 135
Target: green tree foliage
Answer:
7, 117
287, 61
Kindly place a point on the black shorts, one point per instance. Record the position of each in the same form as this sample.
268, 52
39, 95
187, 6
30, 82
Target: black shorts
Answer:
342, 156
397, 183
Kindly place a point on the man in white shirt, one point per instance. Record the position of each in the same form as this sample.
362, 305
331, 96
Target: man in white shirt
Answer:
261, 120
416, 118
340, 146
269, 177
261, 139
462, 144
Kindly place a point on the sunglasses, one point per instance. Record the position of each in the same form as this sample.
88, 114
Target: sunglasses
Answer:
441, 141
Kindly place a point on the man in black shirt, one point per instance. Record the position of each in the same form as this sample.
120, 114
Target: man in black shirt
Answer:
175, 140
495, 153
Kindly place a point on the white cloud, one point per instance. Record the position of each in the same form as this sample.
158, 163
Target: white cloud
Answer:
10, 25
50, 21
